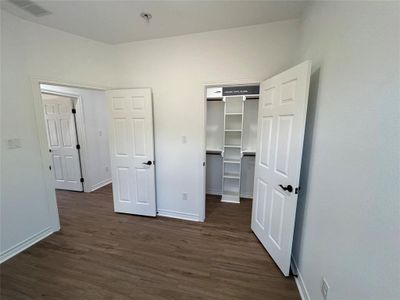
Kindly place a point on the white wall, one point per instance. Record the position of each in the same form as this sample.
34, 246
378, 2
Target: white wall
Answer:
177, 69
30, 50
24, 209
96, 155
348, 218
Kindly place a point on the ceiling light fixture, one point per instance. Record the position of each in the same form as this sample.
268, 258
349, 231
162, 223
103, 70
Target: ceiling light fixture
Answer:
146, 16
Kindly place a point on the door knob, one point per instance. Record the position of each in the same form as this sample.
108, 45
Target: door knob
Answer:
149, 163
288, 188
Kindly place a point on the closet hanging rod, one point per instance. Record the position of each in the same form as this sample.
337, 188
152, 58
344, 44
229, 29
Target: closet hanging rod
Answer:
214, 99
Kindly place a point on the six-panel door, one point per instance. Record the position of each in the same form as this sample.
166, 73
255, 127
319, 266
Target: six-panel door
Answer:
281, 123
132, 151
62, 138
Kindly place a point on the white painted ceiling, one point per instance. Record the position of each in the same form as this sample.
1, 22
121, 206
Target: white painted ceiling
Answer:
116, 22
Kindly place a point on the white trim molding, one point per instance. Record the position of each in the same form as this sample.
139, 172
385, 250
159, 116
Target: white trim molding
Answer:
178, 215
247, 196
301, 286
100, 184
14, 250
214, 192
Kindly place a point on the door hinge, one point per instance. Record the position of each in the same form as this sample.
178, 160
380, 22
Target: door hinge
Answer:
82, 180
74, 111
297, 190
78, 146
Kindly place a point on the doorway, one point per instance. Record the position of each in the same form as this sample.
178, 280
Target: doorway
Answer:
90, 114
231, 135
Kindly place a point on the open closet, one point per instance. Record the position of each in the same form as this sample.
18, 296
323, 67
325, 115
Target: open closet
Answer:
231, 137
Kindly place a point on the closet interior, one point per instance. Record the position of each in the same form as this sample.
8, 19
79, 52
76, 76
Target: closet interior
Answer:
231, 134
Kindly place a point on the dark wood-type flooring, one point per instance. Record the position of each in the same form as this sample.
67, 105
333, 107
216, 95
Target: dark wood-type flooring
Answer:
99, 254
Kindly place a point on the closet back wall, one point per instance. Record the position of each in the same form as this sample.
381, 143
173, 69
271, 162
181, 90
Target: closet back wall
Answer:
177, 69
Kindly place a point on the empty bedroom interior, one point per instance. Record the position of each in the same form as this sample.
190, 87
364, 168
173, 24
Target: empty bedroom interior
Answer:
135, 158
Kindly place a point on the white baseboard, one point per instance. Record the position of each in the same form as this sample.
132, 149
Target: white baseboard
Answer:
214, 192
100, 184
178, 215
301, 286
14, 250
249, 196
219, 193
230, 201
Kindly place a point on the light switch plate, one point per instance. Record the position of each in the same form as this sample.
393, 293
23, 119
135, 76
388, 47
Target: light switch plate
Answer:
14, 143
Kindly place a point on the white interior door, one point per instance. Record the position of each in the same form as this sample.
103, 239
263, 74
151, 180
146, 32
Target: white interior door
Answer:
132, 151
281, 123
61, 135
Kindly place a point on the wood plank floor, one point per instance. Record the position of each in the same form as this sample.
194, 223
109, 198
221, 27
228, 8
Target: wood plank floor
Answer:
99, 254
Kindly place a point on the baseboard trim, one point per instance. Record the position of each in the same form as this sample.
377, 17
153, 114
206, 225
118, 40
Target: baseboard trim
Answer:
25, 244
214, 192
100, 184
230, 201
178, 215
301, 286
219, 193
248, 196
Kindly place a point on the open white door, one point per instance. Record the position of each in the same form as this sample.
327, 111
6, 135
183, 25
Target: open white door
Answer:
281, 124
62, 138
132, 151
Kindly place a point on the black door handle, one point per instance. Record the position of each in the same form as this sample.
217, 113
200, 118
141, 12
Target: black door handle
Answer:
288, 188
149, 163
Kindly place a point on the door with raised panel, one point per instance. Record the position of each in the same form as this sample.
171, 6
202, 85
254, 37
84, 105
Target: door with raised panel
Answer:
132, 151
62, 138
281, 124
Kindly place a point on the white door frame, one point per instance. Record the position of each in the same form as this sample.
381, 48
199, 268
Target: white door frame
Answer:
43, 142
205, 85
